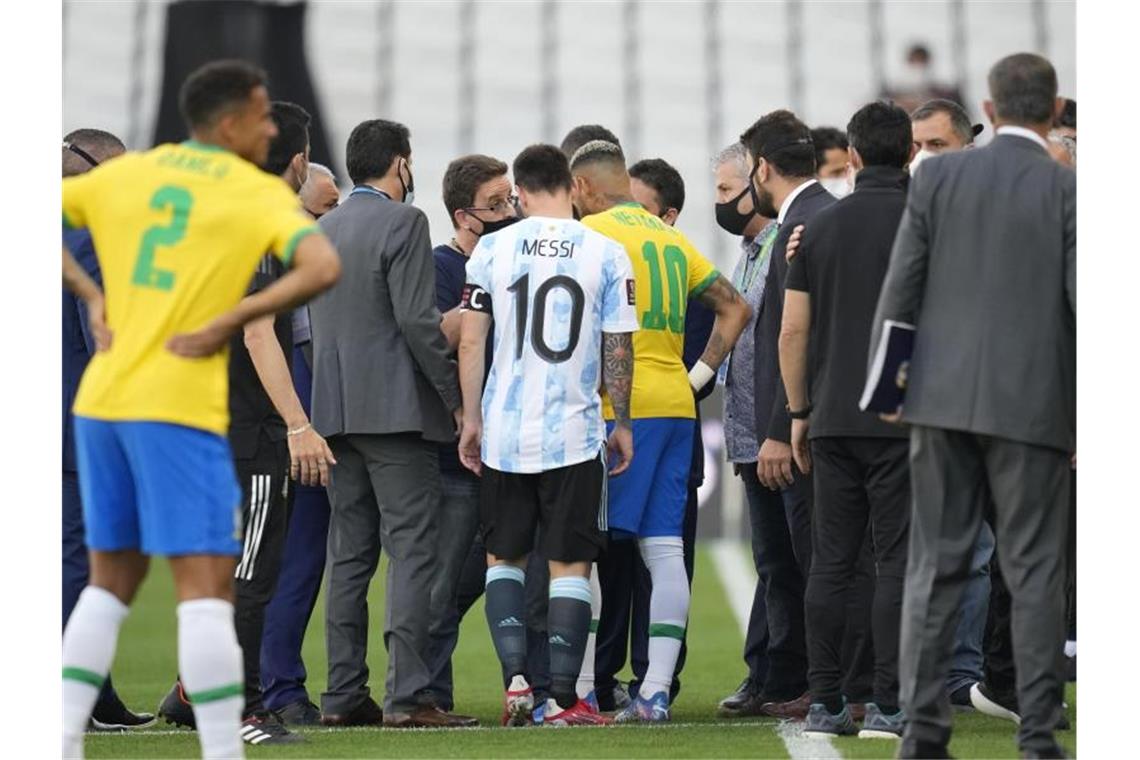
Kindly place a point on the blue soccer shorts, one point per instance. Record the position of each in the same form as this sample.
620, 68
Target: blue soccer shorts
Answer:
156, 487
649, 498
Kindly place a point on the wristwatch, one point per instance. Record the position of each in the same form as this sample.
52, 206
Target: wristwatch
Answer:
802, 414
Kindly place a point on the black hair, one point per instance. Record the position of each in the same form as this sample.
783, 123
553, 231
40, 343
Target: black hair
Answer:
783, 141
664, 179
463, 178
584, 133
373, 146
1068, 117
1023, 87
542, 168
959, 119
880, 132
216, 87
825, 139
292, 135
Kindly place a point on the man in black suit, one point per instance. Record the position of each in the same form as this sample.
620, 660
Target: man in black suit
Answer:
783, 187
858, 462
984, 267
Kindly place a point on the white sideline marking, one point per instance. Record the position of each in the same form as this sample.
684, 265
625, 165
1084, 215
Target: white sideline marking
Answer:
738, 576
718, 725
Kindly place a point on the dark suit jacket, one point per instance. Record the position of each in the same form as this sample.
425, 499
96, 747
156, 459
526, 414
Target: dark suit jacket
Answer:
380, 362
78, 342
772, 419
985, 265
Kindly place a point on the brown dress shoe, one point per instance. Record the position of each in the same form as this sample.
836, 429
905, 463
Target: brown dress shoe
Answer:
795, 709
428, 716
367, 713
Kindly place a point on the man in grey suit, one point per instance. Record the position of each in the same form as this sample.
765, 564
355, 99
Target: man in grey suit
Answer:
385, 394
984, 266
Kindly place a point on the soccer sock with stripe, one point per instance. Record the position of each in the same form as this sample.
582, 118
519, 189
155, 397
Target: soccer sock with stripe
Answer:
668, 610
505, 605
586, 676
88, 648
209, 661
568, 626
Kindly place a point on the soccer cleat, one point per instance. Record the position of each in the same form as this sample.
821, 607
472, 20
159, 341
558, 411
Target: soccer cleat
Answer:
581, 714
652, 710
113, 715
175, 708
616, 698
591, 699
263, 727
538, 713
821, 724
518, 704
879, 725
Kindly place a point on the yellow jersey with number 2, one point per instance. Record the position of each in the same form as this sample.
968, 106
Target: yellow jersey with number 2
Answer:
178, 231
668, 270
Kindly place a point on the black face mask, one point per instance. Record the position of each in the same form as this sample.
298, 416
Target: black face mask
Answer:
728, 215
496, 225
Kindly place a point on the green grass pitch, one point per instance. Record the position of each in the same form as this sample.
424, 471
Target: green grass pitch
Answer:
146, 664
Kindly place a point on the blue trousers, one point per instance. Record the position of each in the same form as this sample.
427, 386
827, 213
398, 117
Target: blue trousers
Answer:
968, 657
76, 568
287, 615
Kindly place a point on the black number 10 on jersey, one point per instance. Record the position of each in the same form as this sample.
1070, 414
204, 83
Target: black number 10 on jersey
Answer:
536, 314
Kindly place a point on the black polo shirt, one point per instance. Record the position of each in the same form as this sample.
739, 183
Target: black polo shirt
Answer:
252, 415
841, 263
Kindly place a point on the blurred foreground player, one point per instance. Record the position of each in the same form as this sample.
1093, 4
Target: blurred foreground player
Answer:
180, 230
564, 299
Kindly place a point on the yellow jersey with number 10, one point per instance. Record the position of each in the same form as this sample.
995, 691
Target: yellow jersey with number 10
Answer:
668, 271
178, 231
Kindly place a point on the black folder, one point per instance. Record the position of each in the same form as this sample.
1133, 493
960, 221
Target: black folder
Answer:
886, 381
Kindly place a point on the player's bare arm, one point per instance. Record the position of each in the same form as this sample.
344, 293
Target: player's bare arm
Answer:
474, 327
78, 282
732, 314
316, 267
617, 374
795, 327
309, 454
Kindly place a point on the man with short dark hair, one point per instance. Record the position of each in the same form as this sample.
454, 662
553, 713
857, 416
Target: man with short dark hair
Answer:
831, 160
83, 150
783, 187
657, 186
537, 437
385, 393
156, 471
272, 442
858, 463
479, 201
584, 133
989, 436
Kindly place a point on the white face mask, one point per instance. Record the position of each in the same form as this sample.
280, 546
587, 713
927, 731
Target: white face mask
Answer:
919, 157
837, 186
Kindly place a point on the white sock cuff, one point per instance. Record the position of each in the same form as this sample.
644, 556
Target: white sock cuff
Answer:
571, 587
505, 573
205, 608
661, 547
101, 602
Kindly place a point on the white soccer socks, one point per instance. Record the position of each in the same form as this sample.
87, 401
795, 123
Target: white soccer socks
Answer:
586, 676
209, 661
668, 610
88, 648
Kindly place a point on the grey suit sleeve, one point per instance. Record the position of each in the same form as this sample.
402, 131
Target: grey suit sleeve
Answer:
901, 296
411, 283
1069, 188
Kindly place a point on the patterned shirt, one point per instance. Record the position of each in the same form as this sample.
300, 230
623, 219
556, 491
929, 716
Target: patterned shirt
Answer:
739, 421
553, 287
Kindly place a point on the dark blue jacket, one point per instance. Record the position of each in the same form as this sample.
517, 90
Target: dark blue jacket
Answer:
78, 342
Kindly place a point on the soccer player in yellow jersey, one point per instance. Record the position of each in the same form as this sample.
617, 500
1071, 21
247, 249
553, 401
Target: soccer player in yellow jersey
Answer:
648, 501
179, 231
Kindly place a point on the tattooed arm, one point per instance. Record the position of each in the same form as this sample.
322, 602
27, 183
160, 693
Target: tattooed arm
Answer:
732, 314
617, 374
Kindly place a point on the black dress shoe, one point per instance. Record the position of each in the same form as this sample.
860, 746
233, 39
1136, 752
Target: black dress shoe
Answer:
743, 702
367, 713
300, 713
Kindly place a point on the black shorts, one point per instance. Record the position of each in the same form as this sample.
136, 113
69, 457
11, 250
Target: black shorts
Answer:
568, 503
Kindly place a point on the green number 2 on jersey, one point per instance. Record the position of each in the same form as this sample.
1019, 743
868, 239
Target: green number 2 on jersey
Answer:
179, 200
672, 260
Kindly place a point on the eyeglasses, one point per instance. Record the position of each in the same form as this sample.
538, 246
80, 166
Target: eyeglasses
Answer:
502, 206
81, 153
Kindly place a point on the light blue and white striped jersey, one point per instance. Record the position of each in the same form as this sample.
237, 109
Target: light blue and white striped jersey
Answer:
553, 287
